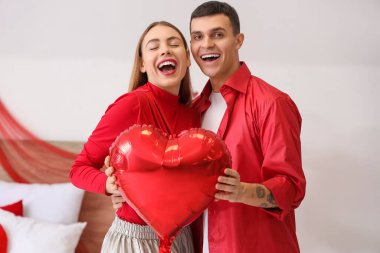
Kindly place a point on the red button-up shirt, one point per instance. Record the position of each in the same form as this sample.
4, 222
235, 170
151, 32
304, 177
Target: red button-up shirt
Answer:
261, 128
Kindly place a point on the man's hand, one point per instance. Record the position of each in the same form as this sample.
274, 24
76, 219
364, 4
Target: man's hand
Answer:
111, 186
229, 186
232, 189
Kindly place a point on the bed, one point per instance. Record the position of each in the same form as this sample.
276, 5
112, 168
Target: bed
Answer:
96, 210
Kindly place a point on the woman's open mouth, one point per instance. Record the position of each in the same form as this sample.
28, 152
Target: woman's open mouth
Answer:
167, 67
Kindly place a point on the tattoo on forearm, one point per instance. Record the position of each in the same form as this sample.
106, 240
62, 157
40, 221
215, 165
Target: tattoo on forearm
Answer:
264, 205
265, 197
260, 192
271, 200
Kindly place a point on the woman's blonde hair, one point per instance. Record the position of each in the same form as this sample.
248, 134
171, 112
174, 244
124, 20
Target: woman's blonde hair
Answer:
139, 78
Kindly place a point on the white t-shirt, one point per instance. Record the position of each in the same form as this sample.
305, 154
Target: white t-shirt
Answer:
211, 121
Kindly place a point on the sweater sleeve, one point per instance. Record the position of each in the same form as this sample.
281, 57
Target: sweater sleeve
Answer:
85, 172
281, 146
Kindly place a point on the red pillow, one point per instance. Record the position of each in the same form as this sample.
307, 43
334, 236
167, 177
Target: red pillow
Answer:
3, 240
15, 208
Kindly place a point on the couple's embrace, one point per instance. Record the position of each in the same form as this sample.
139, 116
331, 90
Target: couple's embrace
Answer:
259, 124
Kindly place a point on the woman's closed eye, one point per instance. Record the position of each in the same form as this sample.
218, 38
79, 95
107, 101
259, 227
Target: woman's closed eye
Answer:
153, 45
174, 42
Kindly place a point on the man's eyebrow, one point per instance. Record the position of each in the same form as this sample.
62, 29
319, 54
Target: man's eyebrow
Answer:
216, 29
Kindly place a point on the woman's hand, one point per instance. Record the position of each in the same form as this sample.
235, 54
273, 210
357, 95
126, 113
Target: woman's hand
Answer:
117, 201
111, 186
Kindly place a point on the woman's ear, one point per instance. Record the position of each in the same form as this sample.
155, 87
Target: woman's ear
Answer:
142, 68
188, 58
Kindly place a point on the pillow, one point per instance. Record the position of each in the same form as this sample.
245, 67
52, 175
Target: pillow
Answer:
3, 240
56, 203
28, 235
15, 208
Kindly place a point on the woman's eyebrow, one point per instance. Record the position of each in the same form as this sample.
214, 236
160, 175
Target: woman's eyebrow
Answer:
152, 41
173, 38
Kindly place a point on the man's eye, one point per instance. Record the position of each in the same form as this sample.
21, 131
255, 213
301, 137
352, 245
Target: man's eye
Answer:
174, 45
197, 37
218, 35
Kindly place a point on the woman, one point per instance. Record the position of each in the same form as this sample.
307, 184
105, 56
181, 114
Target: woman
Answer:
160, 93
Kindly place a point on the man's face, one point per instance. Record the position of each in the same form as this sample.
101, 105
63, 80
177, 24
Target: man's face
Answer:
215, 47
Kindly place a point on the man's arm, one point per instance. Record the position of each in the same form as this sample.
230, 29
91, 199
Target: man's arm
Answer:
283, 181
231, 189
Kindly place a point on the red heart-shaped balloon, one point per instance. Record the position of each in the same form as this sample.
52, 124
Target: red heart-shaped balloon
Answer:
168, 180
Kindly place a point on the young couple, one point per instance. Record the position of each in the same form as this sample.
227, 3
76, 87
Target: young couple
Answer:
260, 125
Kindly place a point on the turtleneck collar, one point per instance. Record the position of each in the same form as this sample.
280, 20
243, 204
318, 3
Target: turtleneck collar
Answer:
162, 94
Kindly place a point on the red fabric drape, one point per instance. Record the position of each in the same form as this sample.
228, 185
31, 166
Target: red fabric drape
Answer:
28, 159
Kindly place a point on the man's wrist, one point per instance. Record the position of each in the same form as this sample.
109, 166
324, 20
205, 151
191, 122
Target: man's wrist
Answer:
256, 195
245, 196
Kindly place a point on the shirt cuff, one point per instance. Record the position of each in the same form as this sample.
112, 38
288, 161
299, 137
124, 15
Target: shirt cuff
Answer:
283, 193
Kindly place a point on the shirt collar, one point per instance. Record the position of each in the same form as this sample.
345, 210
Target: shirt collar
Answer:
239, 80
162, 94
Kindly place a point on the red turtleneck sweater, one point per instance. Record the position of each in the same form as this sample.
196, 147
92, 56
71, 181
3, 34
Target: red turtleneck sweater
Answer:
146, 105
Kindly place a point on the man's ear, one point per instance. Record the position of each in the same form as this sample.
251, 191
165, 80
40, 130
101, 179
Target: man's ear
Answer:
239, 40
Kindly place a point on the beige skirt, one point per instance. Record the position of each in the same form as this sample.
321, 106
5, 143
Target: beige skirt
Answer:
125, 237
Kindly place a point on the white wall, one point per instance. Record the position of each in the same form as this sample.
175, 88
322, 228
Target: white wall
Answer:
63, 62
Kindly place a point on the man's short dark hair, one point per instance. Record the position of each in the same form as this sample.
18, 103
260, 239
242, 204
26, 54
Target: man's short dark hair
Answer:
211, 8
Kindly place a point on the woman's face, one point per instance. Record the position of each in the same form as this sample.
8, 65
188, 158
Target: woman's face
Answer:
164, 58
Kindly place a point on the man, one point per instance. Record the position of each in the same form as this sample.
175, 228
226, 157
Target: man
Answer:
261, 127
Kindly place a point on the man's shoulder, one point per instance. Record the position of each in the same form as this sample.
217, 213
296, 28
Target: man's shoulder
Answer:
262, 96
263, 91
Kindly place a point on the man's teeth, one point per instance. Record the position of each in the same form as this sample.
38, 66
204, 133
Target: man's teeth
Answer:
206, 56
167, 63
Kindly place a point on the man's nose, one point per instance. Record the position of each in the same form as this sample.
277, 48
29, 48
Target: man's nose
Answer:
207, 42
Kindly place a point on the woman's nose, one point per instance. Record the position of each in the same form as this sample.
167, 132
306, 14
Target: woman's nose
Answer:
165, 50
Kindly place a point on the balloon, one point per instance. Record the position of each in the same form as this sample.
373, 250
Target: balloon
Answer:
168, 180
